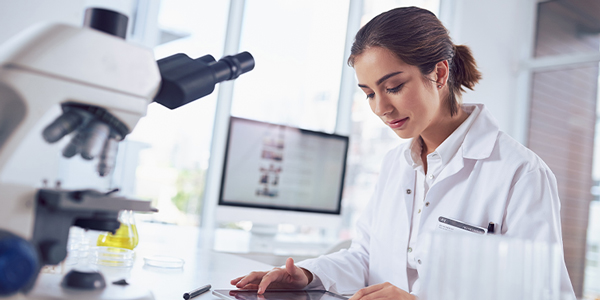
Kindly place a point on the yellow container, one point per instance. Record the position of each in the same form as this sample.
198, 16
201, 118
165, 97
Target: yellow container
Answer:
125, 237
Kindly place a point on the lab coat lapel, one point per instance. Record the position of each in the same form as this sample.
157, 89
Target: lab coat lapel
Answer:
481, 138
478, 144
454, 166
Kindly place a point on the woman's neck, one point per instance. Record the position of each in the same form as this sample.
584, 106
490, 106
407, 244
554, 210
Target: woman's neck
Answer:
436, 134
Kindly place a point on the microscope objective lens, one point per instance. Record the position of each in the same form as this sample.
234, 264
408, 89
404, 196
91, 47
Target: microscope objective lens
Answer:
63, 125
108, 157
96, 135
73, 147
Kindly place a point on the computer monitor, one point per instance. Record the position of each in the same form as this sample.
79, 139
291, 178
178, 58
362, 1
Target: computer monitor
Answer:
276, 174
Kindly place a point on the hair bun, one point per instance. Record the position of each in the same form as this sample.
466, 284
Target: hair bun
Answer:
464, 68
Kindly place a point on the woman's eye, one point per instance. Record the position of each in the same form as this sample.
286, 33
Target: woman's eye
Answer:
371, 95
395, 89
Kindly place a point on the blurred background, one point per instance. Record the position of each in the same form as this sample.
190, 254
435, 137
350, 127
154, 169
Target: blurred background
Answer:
539, 61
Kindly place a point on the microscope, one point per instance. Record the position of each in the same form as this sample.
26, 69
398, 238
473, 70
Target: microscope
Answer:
90, 86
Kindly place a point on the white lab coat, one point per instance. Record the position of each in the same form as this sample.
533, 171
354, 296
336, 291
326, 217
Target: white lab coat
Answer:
491, 178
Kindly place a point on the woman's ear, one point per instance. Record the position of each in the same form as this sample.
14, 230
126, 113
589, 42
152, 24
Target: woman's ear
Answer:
442, 72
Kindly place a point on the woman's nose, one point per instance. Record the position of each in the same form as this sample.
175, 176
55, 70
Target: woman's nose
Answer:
382, 106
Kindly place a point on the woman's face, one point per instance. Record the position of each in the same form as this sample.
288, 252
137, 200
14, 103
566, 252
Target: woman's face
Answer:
398, 93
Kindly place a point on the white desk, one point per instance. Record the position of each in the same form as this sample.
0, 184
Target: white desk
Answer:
202, 264
273, 250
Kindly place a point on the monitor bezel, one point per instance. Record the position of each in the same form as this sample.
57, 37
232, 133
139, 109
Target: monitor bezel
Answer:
223, 202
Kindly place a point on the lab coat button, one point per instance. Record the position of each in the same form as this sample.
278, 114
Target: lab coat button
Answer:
408, 191
430, 176
419, 261
427, 204
409, 249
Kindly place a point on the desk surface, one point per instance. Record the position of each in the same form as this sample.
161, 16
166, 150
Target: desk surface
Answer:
202, 264
272, 249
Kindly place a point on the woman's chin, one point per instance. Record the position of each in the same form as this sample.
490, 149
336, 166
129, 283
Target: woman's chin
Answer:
404, 134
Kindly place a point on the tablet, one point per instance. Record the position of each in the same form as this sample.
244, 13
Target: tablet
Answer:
277, 295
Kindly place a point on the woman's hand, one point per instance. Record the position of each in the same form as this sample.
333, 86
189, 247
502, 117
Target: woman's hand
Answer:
382, 291
290, 277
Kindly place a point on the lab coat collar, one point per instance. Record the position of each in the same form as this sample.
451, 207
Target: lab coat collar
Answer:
481, 137
412, 152
476, 143
450, 146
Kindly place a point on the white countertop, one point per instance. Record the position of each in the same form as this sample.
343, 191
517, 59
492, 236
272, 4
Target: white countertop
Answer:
202, 266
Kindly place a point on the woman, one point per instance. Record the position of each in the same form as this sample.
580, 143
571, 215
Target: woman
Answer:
458, 165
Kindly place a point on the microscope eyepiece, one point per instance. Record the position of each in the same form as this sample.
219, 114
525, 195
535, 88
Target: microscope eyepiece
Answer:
185, 80
232, 66
107, 21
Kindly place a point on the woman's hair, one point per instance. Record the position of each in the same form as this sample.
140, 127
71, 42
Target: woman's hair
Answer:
418, 38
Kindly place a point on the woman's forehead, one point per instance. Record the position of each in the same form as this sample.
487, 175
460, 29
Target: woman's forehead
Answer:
375, 62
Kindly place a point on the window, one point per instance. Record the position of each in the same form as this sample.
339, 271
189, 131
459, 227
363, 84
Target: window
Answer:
298, 47
175, 144
563, 112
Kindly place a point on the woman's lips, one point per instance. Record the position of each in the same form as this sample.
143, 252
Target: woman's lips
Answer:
395, 124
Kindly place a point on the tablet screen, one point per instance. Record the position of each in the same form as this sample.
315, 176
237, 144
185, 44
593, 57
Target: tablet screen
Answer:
278, 295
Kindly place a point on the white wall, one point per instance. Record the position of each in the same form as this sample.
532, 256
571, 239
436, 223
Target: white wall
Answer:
17, 15
500, 34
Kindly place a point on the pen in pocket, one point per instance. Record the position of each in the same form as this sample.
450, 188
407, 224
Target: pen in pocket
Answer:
491, 227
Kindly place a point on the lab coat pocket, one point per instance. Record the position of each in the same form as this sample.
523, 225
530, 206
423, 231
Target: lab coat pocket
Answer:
452, 225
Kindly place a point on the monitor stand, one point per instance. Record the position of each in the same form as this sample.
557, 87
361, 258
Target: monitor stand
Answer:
266, 238
264, 229
266, 244
262, 238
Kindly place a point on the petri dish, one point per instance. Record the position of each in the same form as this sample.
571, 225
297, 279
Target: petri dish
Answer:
111, 256
162, 261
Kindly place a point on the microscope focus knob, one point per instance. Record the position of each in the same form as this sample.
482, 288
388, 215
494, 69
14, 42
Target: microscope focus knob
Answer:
84, 280
18, 263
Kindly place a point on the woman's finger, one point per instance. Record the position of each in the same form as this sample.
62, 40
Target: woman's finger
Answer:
250, 286
236, 280
293, 271
271, 276
373, 288
366, 291
253, 277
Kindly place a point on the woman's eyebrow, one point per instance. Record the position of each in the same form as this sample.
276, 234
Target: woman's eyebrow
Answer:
384, 78
381, 80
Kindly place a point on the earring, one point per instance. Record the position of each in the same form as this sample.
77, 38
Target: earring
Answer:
439, 86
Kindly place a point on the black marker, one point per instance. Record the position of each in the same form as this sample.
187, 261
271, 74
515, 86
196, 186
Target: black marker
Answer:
196, 292
491, 227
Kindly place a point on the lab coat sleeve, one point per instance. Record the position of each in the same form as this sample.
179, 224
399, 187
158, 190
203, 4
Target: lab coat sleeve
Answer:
345, 271
533, 213
315, 284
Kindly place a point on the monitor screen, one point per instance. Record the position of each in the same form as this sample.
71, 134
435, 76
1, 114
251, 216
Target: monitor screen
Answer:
281, 167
